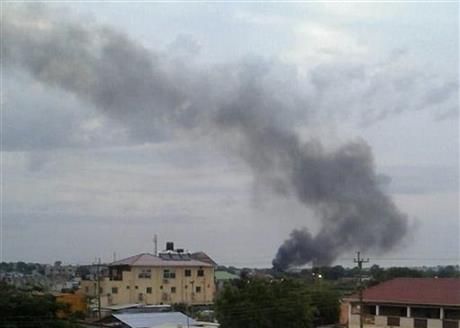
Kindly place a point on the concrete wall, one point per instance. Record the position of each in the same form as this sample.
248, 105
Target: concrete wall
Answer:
434, 323
407, 322
132, 289
380, 320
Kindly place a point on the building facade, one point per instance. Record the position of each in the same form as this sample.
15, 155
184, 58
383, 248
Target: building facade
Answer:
408, 303
169, 278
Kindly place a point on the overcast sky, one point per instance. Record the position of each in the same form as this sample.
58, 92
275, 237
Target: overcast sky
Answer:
79, 183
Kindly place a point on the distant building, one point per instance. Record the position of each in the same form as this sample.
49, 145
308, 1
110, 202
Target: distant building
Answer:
409, 303
171, 277
223, 277
59, 270
75, 302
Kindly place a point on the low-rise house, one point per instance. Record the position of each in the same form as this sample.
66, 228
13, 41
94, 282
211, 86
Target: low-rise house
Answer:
75, 303
408, 303
169, 278
59, 270
223, 277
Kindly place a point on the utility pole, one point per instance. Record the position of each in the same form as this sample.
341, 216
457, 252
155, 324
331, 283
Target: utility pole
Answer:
360, 262
98, 282
187, 314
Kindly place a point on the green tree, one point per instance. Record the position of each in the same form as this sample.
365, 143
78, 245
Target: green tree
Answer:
449, 271
258, 303
326, 304
377, 273
25, 309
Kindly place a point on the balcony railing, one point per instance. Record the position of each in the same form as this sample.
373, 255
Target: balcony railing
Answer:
403, 322
393, 321
420, 323
369, 319
447, 323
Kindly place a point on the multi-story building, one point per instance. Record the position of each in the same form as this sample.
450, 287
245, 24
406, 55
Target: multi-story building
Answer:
171, 277
59, 270
408, 303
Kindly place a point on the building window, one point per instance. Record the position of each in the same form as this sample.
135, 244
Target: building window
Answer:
161, 287
369, 309
200, 273
101, 290
114, 290
453, 314
145, 274
188, 273
393, 311
149, 290
127, 287
168, 274
173, 290
198, 289
422, 312
136, 287
87, 289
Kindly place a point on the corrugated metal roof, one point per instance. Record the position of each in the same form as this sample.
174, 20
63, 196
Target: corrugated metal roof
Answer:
224, 275
146, 259
428, 291
203, 257
152, 320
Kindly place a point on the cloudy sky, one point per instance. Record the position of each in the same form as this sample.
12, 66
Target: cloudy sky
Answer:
87, 173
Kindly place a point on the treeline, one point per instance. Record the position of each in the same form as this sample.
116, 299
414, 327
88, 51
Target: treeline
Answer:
267, 303
379, 274
22, 267
374, 272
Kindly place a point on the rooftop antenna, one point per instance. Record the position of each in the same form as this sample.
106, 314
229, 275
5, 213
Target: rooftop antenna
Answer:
114, 256
155, 243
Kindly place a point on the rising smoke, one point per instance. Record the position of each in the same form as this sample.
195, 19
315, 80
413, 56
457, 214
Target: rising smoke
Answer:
153, 94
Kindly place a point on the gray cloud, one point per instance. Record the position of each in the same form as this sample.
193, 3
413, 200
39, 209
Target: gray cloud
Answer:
252, 107
372, 91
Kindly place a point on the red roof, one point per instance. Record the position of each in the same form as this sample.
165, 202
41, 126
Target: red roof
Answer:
433, 291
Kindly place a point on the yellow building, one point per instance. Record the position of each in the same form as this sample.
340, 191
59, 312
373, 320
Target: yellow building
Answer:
75, 302
169, 278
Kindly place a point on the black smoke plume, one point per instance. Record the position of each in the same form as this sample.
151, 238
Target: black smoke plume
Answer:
249, 105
